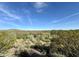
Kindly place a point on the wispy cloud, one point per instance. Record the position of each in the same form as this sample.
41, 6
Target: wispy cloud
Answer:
39, 6
9, 23
29, 19
64, 18
10, 15
28, 15
14, 17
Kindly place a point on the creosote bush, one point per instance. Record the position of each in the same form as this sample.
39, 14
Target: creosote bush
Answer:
7, 39
66, 44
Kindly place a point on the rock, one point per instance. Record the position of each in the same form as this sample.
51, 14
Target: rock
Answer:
29, 53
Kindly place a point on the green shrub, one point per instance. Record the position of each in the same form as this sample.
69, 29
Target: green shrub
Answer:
66, 44
7, 39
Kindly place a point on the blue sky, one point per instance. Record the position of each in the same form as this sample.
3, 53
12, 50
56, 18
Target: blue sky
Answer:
39, 15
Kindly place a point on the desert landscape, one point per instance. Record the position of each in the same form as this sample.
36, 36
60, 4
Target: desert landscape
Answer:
39, 29
49, 43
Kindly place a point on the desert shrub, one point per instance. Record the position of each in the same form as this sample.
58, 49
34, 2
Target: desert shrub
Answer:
66, 44
7, 39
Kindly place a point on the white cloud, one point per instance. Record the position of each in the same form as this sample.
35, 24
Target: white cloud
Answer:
9, 23
62, 19
29, 19
39, 10
4, 9
14, 16
18, 19
9, 14
40, 6
28, 15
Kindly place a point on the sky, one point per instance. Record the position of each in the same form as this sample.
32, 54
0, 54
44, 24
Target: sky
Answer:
39, 15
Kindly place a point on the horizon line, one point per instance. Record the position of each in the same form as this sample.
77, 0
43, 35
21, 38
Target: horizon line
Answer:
38, 29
